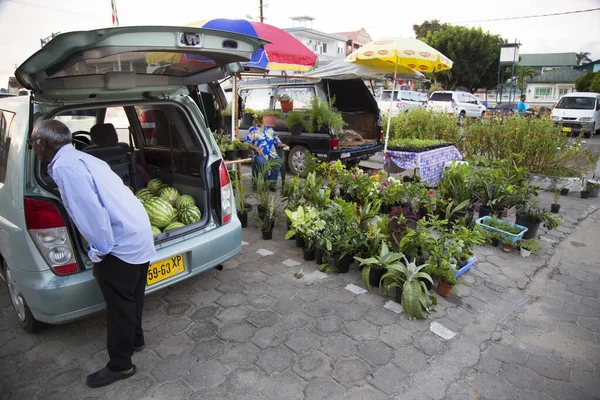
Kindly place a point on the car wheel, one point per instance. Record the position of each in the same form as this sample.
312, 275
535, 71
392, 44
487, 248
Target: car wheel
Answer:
297, 160
461, 118
26, 318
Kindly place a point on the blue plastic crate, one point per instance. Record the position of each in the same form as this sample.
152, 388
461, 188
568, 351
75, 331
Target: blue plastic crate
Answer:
464, 269
506, 235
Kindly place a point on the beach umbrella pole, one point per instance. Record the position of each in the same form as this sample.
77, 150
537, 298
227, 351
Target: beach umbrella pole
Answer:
389, 121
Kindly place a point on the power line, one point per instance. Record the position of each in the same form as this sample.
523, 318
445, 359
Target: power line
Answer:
530, 16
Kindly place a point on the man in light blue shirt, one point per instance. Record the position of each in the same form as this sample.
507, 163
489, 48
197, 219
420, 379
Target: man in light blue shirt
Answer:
117, 228
522, 107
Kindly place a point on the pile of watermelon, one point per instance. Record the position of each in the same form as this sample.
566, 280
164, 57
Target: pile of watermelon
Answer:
166, 207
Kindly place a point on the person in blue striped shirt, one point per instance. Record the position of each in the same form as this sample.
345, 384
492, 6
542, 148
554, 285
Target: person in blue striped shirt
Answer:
117, 228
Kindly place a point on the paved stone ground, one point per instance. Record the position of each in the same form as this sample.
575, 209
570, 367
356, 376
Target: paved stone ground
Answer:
254, 331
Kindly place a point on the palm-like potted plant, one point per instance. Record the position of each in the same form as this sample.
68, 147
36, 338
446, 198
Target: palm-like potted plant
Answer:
375, 267
268, 219
555, 207
408, 276
239, 191
531, 216
287, 104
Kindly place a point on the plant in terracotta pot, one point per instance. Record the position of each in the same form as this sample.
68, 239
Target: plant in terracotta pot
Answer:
287, 104
267, 117
374, 267
507, 245
446, 283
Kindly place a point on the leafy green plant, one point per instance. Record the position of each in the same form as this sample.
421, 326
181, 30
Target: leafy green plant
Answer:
533, 213
532, 245
284, 98
383, 260
502, 225
295, 118
323, 114
415, 296
449, 277
307, 223
239, 145
416, 144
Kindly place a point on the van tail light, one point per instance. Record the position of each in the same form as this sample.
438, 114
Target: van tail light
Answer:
225, 183
381, 134
333, 144
398, 103
50, 235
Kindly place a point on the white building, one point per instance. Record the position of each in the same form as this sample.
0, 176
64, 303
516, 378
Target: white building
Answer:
327, 46
550, 86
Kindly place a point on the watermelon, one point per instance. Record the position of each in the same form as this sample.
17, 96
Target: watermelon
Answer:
185, 201
173, 225
155, 231
154, 185
170, 194
189, 215
144, 194
160, 212
132, 189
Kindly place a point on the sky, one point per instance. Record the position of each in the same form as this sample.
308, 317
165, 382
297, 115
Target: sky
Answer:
24, 22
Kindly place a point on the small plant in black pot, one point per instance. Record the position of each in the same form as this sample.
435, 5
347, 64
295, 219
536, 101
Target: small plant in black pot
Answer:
231, 153
375, 267
243, 149
555, 207
295, 122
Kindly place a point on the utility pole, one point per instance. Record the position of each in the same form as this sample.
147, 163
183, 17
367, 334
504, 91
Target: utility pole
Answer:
262, 18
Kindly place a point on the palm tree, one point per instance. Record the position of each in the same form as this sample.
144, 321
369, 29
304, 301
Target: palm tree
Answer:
523, 75
583, 56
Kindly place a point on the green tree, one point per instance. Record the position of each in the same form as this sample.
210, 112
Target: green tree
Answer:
583, 56
595, 85
475, 54
582, 84
427, 26
524, 74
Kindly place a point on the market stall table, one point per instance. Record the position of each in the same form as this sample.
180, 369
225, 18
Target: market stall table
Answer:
429, 164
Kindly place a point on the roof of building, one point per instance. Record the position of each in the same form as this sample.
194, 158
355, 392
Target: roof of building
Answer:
300, 29
548, 60
559, 75
356, 36
588, 64
303, 18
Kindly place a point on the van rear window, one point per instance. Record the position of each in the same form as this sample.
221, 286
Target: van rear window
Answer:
577, 103
441, 97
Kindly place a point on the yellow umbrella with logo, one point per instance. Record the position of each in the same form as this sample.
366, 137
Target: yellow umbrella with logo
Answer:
393, 53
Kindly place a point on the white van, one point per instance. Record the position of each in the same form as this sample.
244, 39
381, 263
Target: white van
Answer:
578, 112
402, 101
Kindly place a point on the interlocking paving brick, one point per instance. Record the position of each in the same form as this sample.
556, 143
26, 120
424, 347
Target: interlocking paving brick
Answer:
381, 316
170, 390
350, 372
261, 319
339, 346
284, 386
303, 340
206, 374
395, 336
203, 330
206, 313
375, 353
388, 379
324, 388
312, 364
240, 355
328, 326
246, 380
261, 302
508, 354
318, 309
202, 351
233, 314
361, 330
351, 312
429, 343
294, 321
278, 358
366, 392
257, 289
237, 332
232, 300
177, 309
549, 368
270, 336
174, 345
522, 377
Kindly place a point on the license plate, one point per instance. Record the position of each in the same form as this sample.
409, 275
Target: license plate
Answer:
345, 155
165, 269
566, 129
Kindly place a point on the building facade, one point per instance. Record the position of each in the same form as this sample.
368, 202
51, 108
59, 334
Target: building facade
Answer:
545, 62
550, 86
327, 46
355, 40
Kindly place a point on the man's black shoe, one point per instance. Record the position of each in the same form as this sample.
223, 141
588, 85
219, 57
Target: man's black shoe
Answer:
105, 377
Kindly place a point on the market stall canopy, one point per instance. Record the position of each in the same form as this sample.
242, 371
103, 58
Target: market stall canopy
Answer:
406, 52
340, 70
283, 52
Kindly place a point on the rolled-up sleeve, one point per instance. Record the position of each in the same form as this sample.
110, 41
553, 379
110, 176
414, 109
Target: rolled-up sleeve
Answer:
80, 197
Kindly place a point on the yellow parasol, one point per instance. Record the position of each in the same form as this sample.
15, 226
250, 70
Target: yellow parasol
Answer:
392, 53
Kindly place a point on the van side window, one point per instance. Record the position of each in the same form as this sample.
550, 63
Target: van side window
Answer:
6, 118
300, 95
256, 99
117, 117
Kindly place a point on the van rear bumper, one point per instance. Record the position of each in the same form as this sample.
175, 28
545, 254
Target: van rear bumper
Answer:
575, 126
60, 299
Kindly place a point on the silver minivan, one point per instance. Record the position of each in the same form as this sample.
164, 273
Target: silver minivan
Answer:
129, 96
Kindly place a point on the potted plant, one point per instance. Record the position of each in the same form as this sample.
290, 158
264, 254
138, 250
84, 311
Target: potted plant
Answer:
508, 231
593, 186
268, 220
306, 223
446, 283
373, 268
531, 216
555, 207
527, 246
495, 192
585, 192
248, 117
564, 191
287, 104
494, 238
243, 149
231, 153
415, 297
294, 122
507, 245
226, 118
322, 114
268, 117
243, 207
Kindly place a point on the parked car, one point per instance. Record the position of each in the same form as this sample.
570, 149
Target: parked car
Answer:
501, 110
577, 113
403, 100
352, 98
461, 104
76, 78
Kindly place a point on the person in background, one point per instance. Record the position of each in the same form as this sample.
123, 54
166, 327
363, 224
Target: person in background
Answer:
116, 227
264, 141
522, 107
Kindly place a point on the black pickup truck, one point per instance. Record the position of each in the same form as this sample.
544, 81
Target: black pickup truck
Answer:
361, 138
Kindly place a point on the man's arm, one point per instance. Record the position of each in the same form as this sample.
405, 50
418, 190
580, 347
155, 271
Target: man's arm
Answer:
78, 192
